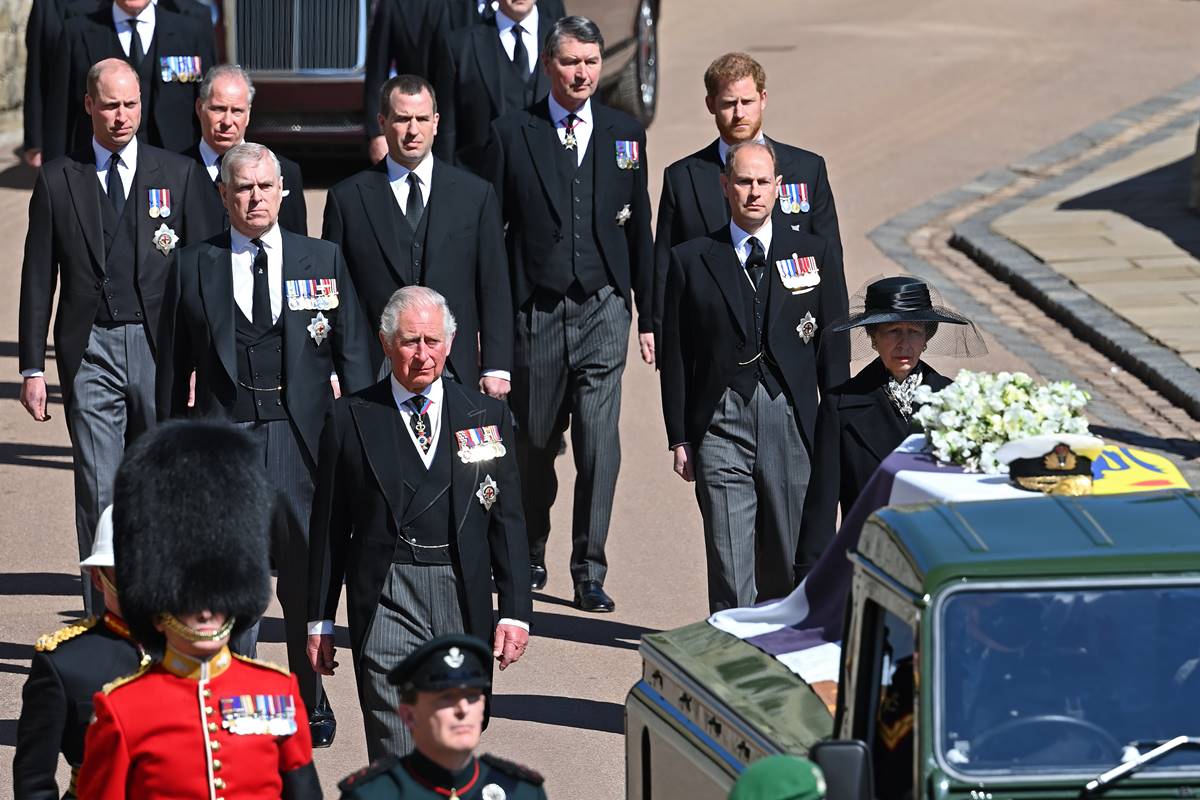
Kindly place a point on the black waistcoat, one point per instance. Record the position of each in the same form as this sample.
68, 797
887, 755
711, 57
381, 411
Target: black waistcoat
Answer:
427, 519
516, 88
578, 252
754, 313
260, 365
119, 298
412, 243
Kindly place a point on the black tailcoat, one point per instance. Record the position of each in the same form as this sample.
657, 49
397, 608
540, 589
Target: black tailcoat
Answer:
198, 333
522, 161
692, 204
463, 258
365, 494
65, 246
464, 13
705, 336
293, 212
168, 107
857, 427
477, 88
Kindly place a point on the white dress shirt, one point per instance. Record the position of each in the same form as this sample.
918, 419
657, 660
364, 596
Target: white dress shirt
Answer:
508, 39
723, 146
741, 243
435, 393
583, 126
209, 157
126, 169
145, 26
243, 254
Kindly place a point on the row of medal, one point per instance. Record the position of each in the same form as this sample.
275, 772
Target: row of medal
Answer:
250, 714
312, 295
479, 444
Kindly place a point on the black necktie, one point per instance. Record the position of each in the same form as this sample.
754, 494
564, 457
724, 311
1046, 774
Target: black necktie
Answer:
756, 261
260, 313
136, 54
217, 179
520, 54
418, 420
114, 186
414, 207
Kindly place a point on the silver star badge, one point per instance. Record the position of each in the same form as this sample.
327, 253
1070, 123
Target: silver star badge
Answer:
623, 216
807, 327
487, 493
165, 239
319, 328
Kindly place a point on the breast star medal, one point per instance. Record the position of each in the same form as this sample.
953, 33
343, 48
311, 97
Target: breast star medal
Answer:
623, 216
494, 791
165, 239
807, 327
319, 328
487, 493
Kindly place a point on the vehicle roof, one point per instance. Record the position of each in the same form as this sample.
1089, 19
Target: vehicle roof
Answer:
926, 545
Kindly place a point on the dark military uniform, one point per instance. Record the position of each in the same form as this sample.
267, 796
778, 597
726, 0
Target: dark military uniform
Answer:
486, 778
69, 667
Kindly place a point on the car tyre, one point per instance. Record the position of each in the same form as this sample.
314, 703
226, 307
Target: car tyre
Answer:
636, 89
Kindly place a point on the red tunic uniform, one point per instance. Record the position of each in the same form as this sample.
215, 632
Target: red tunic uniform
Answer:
229, 727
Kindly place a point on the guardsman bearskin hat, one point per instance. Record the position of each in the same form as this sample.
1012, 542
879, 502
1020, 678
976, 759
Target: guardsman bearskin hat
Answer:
191, 527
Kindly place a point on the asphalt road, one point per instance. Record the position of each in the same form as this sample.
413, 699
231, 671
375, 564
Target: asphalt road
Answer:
904, 99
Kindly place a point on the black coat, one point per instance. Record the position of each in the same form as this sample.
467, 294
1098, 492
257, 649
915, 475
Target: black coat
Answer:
293, 212
464, 13
522, 160
857, 427
472, 89
56, 704
363, 497
705, 336
464, 258
197, 333
692, 204
64, 249
168, 107
41, 35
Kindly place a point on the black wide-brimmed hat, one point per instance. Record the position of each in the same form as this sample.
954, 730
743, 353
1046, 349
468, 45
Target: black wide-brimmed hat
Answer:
904, 298
191, 527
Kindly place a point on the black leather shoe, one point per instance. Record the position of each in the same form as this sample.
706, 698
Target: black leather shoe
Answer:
537, 576
590, 596
322, 725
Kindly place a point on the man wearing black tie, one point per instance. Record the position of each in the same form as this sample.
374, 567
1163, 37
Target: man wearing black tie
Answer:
744, 353
170, 53
571, 175
493, 69
104, 223
414, 220
692, 203
223, 108
465, 13
263, 316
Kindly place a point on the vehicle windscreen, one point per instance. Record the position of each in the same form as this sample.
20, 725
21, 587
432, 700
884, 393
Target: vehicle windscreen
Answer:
1063, 680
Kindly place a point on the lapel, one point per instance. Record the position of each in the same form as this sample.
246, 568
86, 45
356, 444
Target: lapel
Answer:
604, 163
85, 196
101, 39
441, 213
147, 176
462, 413
297, 265
380, 430
541, 83
542, 139
705, 171
489, 58
215, 266
722, 264
379, 204
869, 414
777, 293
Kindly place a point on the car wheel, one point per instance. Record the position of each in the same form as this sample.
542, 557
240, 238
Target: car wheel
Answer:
636, 90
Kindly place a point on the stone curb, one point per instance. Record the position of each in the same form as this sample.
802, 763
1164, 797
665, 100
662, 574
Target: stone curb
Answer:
1090, 320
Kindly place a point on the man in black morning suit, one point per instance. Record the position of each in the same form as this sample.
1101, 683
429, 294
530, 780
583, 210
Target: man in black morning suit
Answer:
571, 176
745, 349
418, 510
96, 237
692, 204
445, 234
223, 108
263, 316
465, 13
170, 53
493, 69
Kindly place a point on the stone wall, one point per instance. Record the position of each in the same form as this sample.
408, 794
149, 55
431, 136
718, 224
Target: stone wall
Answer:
13, 16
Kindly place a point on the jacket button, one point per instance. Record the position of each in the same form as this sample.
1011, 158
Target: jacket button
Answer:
214, 745
276, 349
278, 402
207, 693
416, 245
99, 284
741, 345
208, 711
216, 763
218, 783
212, 727
416, 262
577, 180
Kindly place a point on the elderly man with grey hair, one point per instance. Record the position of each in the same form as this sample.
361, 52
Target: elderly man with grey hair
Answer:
223, 108
418, 508
264, 317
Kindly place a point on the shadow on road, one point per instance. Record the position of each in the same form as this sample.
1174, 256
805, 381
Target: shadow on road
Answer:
11, 651
43, 584
568, 712
1157, 199
14, 669
588, 630
8, 733
18, 176
34, 455
11, 390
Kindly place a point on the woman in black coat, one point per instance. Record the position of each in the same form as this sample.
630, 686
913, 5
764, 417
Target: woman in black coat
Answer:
863, 420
